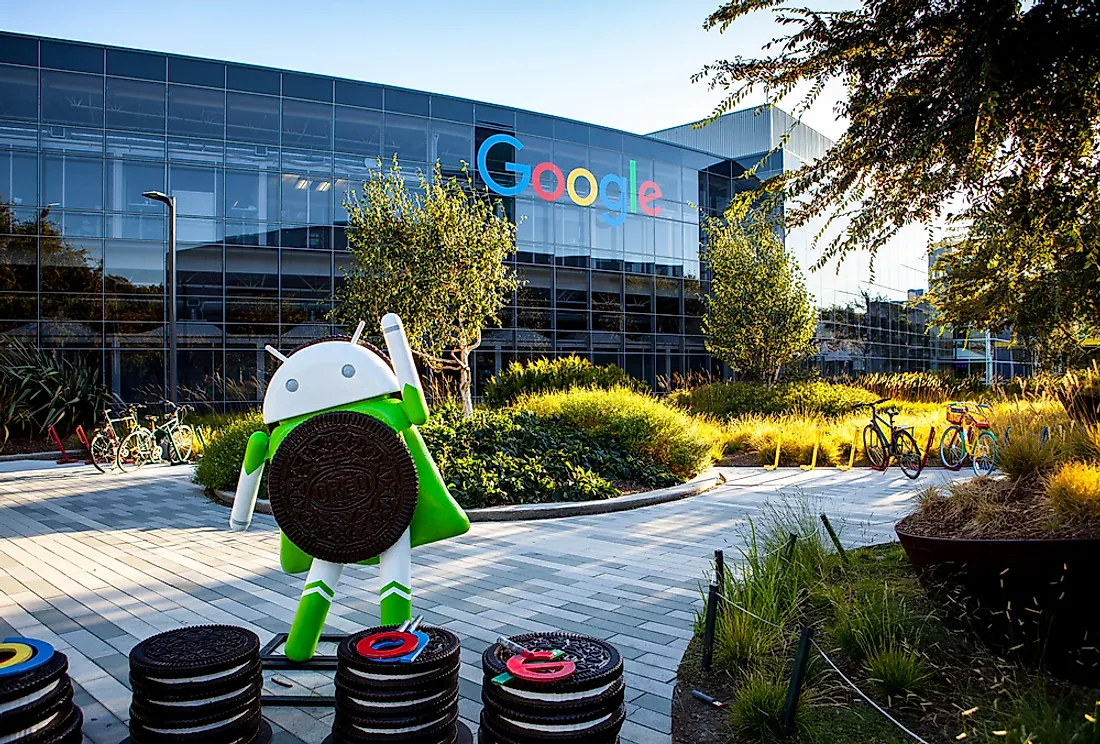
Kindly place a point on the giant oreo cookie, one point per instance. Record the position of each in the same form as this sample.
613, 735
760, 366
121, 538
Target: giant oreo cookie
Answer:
36, 695
342, 486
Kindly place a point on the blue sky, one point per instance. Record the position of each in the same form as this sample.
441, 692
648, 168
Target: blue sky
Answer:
623, 64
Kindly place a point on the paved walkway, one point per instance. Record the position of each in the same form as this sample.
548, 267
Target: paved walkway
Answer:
93, 563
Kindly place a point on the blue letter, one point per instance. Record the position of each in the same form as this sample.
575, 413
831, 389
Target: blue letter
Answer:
524, 171
620, 207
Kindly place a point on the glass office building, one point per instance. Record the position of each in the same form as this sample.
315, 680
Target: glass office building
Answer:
259, 161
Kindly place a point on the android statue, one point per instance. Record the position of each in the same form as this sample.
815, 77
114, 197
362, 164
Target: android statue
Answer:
349, 477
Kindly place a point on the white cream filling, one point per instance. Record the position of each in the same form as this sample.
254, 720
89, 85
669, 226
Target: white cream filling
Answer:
200, 678
28, 731
562, 728
398, 730
27, 699
368, 675
554, 696
204, 701
199, 729
376, 704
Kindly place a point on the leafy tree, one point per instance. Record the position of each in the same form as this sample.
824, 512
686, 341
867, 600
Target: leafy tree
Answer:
993, 105
435, 255
759, 316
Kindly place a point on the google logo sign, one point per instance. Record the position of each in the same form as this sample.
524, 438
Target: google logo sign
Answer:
630, 194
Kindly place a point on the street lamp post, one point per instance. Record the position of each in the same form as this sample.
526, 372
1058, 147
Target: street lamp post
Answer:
170, 278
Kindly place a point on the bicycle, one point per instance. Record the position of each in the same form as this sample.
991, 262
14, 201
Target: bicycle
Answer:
152, 443
900, 445
104, 445
969, 436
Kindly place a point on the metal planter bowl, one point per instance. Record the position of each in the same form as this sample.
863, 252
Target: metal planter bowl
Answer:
1037, 599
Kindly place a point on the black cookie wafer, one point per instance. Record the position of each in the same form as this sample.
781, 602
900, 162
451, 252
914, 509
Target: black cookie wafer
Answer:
196, 686
170, 708
20, 689
439, 728
486, 735
223, 727
567, 730
537, 703
598, 663
203, 654
397, 703
342, 486
65, 729
54, 705
438, 659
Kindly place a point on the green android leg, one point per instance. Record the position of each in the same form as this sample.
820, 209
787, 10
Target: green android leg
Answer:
292, 558
396, 593
309, 620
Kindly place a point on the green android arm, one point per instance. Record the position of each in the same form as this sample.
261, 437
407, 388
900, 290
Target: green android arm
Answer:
349, 477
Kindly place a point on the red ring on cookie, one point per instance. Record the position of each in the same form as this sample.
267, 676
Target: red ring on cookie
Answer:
540, 667
405, 643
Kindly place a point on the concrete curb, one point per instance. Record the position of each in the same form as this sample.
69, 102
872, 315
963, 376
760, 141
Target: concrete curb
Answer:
33, 456
523, 512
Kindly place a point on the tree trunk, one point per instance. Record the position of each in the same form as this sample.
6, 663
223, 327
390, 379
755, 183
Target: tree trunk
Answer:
465, 383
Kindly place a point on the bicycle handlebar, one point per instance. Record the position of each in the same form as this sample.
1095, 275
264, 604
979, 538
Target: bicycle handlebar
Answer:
871, 405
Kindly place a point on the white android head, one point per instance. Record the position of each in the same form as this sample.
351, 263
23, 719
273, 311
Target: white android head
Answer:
325, 375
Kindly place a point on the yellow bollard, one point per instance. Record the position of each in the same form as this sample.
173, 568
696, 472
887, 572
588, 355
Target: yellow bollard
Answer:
817, 446
852, 454
778, 446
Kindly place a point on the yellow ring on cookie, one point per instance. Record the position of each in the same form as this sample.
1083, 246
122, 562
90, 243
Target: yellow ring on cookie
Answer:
20, 652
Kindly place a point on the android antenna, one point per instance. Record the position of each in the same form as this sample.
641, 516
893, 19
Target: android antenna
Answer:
275, 353
358, 331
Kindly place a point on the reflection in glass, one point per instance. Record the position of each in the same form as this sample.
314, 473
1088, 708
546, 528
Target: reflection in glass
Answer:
196, 112
307, 124
135, 105
72, 182
18, 93
72, 98
252, 118
407, 137
18, 178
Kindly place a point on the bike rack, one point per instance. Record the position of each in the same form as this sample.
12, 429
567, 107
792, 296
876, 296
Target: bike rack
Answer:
928, 447
817, 446
83, 437
852, 454
65, 459
778, 447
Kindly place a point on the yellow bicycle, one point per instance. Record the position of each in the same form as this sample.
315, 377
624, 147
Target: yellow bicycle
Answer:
969, 436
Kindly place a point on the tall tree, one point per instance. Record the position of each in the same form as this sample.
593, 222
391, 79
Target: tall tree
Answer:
759, 315
992, 105
435, 255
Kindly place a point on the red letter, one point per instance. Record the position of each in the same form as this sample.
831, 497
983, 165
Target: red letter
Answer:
536, 180
647, 192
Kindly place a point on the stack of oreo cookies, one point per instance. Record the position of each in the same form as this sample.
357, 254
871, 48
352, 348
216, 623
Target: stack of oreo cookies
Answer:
199, 684
36, 695
586, 707
397, 701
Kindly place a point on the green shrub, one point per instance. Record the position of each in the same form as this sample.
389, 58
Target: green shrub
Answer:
756, 712
922, 387
869, 622
727, 400
549, 375
896, 672
1074, 491
1025, 455
498, 457
220, 465
40, 389
642, 424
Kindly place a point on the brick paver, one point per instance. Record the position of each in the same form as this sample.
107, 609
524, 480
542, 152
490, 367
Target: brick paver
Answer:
93, 563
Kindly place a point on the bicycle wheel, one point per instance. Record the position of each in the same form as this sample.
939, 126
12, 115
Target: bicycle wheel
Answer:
907, 453
984, 458
874, 444
184, 440
103, 452
952, 451
136, 450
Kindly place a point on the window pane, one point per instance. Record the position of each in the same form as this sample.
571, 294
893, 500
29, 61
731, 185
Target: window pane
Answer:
251, 195
18, 50
306, 199
307, 124
252, 156
197, 112
24, 136
453, 109
408, 137
135, 105
307, 86
72, 182
133, 145
135, 262
73, 139
198, 190
128, 180
452, 143
406, 102
358, 131
358, 94
252, 118
76, 57
196, 72
68, 265
209, 152
18, 178
135, 64
252, 79
18, 93
68, 98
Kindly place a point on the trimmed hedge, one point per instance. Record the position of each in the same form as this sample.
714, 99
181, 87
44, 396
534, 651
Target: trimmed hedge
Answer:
492, 458
643, 424
726, 400
546, 375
